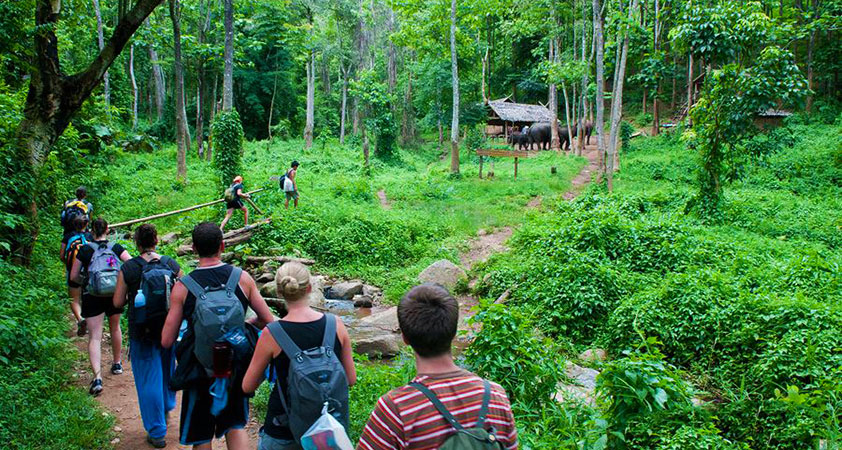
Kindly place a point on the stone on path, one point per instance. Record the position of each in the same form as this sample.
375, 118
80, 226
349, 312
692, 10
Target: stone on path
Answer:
266, 277
169, 238
380, 345
269, 289
583, 386
593, 355
346, 290
442, 272
362, 301
386, 320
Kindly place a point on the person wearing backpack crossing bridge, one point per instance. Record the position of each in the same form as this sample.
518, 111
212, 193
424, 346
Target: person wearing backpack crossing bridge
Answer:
445, 406
327, 347
96, 268
145, 282
213, 299
234, 196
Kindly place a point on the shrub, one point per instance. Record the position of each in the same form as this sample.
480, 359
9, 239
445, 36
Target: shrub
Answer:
228, 145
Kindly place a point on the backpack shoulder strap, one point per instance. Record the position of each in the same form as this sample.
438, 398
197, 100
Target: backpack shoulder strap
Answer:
330, 332
193, 286
438, 405
284, 341
233, 280
486, 399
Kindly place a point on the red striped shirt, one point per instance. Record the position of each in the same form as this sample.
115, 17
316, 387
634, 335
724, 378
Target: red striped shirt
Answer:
405, 419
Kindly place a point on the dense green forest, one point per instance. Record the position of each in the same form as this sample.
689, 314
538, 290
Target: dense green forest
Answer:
703, 256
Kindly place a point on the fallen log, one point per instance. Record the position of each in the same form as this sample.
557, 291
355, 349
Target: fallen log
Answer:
230, 238
170, 213
260, 260
504, 297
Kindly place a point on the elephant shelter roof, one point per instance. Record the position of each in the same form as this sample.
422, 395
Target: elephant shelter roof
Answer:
507, 111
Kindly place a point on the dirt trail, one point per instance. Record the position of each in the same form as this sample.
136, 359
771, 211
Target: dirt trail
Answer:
119, 397
384, 201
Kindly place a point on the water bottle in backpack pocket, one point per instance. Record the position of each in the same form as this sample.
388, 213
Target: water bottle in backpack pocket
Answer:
103, 270
218, 311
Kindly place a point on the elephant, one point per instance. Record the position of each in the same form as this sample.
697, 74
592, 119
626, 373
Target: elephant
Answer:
541, 134
519, 140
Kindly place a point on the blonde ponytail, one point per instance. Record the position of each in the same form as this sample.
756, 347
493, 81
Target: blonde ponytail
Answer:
292, 280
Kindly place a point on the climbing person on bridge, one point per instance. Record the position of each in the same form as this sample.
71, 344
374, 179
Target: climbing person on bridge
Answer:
290, 185
216, 345
426, 412
96, 268
145, 282
234, 196
320, 335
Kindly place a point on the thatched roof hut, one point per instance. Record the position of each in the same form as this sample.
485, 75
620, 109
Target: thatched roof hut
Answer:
504, 115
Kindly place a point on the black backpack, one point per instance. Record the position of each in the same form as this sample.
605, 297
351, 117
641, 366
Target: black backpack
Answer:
71, 211
156, 281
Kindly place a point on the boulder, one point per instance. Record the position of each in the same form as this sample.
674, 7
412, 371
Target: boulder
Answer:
442, 272
386, 320
317, 295
593, 355
266, 277
382, 345
269, 290
582, 388
372, 291
582, 376
346, 290
362, 301
169, 238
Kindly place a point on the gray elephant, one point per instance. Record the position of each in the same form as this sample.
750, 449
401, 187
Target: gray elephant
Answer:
540, 133
519, 140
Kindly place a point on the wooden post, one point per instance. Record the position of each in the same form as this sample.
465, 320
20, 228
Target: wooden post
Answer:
480, 167
515, 168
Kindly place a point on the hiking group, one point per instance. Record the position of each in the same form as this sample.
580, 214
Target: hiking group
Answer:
211, 335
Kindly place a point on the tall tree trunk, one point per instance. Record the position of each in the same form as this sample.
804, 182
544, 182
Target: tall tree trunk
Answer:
392, 65
689, 86
580, 141
441, 131
484, 73
656, 119
106, 85
674, 83
810, 46
213, 111
204, 24
134, 87
272, 107
567, 114
228, 72
311, 99
408, 113
613, 161
52, 100
158, 78
553, 101
343, 112
454, 127
182, 134
600, 83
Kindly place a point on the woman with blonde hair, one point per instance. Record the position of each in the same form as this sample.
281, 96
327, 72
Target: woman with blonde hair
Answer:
306, 328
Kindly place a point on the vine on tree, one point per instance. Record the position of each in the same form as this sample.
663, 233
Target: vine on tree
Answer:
228, 136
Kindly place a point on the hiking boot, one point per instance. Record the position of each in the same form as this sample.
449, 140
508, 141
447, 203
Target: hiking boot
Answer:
156, 442
81, 328
116, 368
96, 387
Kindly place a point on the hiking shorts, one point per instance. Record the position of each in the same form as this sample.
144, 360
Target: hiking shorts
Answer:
267, 442
198, 426
291, 195
236, 204
94, 306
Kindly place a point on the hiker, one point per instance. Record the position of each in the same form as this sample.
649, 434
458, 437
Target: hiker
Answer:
418, 415
145, 282
96, 268
76, 207
211, 354
303, 328
290, 186
70, 245
234, 196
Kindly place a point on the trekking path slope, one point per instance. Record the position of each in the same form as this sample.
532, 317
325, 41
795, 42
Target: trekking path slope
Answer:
119, 398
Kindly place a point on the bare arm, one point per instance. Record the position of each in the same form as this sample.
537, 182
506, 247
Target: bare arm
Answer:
62, 250
347, 356
76, 271
242, 194
264, 314
120, 291
173, 322
125, 256
263, 354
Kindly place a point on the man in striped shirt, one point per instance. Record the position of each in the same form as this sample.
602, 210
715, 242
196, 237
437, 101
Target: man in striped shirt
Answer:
404, 418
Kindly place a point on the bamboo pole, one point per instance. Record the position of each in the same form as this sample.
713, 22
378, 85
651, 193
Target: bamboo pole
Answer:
178, 211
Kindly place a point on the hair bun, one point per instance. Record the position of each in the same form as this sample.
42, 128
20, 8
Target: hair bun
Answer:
289, 285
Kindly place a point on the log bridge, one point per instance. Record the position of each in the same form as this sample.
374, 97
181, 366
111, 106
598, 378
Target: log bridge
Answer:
183, 210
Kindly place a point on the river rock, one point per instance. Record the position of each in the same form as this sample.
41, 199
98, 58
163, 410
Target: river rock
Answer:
593, 355
386, 320
362, 301
372, 291
317, 294
583, 386
442, 272
346, 290
269, 289
385, 345
266, 277
169, 238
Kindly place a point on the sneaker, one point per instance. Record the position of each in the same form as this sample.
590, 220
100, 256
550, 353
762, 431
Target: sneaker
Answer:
96, 387
156, 442
81, 327
116, 368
